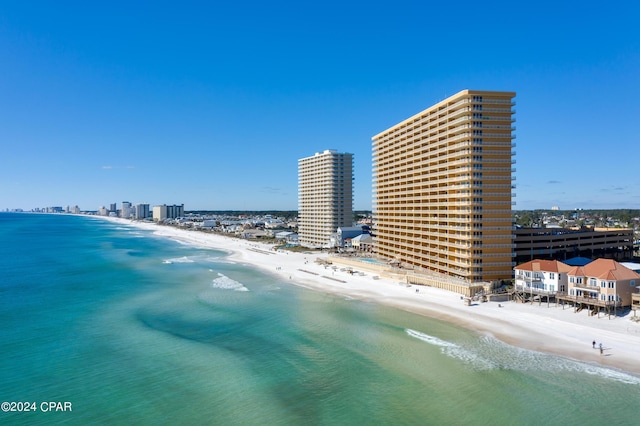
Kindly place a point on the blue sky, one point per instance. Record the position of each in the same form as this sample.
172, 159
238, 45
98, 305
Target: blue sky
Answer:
211, 103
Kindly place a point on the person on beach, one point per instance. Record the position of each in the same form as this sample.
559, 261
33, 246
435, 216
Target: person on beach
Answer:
601, 350
594, 344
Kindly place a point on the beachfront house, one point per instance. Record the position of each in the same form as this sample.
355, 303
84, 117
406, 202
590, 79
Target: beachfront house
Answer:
602, 283
541, 277
345, 233
362, 242
287, 236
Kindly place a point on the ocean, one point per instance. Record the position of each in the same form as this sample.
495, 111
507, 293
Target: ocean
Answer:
103, 323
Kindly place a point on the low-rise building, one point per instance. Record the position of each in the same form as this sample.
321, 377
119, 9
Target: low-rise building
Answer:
561, 243
602, 283
541, 277
362, 242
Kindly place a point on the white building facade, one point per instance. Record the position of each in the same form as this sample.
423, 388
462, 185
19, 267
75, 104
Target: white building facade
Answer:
325, 196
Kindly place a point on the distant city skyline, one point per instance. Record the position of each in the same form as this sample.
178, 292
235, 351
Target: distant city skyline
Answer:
211, 105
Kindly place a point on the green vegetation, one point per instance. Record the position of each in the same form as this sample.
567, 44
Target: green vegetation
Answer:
605, 218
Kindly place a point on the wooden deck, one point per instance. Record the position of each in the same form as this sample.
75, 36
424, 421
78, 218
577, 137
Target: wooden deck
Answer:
594, 305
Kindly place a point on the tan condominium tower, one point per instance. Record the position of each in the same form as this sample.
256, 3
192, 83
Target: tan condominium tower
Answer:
442, 187
325, 196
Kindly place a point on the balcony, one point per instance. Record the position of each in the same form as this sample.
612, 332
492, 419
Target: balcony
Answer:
530, 288
585, 286
589, 300
528, 279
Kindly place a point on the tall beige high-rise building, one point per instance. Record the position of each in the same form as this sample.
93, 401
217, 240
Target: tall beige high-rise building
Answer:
325, 196
443, 183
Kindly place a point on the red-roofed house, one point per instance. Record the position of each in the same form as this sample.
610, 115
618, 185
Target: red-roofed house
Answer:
541, 277
603, 282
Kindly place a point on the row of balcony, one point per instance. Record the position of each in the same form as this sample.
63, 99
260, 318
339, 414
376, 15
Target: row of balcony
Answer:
457, 108
436, 136
434, 125
390, 173
444, 217
438, 156
432, 183
412, 197
426, 160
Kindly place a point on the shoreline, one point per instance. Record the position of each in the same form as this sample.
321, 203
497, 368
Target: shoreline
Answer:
551, 330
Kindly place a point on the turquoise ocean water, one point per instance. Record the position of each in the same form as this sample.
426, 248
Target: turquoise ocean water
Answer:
135, 329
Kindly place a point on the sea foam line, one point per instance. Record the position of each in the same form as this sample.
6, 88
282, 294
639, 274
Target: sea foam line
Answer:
183, 259
491, 353
455, 351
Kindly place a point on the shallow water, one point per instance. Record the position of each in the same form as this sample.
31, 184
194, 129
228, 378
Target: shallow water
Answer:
136, 329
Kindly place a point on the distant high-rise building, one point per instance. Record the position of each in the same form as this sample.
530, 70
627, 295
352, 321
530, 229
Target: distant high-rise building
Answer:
325, 196
164, 211
159, 213
142, 211
113, 208
125, 212
443, 187
175, 211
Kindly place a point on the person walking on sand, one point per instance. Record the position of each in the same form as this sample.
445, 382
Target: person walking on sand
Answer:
601, 349
594, 344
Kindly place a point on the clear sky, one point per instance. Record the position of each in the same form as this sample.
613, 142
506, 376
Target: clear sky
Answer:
212, 103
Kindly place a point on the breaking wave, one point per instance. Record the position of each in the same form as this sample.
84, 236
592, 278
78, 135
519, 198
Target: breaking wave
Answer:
183, 259
488, 353
226, 283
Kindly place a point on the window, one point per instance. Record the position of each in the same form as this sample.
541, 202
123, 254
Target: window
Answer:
571, 280
632, 283
603, 284
552, 276
611, 284
592, 282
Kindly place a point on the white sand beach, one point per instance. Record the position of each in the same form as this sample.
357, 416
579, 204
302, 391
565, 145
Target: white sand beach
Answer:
537, 327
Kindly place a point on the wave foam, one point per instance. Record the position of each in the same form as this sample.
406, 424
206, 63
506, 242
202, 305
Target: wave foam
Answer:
183, 259
489, 353
226, 283
452, 350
